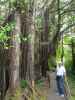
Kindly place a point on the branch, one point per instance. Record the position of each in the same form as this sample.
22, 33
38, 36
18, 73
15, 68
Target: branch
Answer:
44, 6
58, 35
48, 4
67, 11
62, 8
70, 26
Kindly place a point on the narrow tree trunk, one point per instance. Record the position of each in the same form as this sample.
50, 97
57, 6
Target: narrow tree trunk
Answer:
37, 56
73, 57
2, 73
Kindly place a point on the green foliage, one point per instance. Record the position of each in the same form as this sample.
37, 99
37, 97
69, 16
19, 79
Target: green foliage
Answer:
68, 64
4, 30
67, 47
23, 2
39, 82
59, 52
1, 18
67, 51
23, 84
4, 36
38, 21
73, 39
68, 57
26, 38
72, 98
73, 18
17, 37
67, 39
71, 81
51, 62
23, 5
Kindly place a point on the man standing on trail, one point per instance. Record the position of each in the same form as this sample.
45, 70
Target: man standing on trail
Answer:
60, 73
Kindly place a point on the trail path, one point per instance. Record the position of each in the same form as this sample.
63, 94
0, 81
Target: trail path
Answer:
52, 91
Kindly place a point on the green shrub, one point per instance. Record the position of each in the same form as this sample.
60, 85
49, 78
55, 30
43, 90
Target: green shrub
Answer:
72, 98
23, 83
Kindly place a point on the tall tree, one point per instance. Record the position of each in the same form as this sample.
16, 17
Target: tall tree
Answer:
14, 57
44, 37
31, 34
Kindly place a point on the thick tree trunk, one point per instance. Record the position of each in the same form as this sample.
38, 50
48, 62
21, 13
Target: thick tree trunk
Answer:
15, 54
31, 34
24, 45
45, 40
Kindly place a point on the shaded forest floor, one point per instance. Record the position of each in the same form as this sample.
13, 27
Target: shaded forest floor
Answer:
44, 92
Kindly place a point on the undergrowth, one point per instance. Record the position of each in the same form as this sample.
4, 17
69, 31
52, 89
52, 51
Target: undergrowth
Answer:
71, 81
31, 93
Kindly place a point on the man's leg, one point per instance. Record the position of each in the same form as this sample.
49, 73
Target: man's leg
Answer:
61, 86
58, 84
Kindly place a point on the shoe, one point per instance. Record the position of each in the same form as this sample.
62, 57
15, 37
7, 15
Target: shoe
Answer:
62, 95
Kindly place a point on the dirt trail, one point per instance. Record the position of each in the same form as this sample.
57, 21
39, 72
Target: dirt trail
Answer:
52, 91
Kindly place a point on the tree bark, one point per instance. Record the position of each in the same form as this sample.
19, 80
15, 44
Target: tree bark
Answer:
15, 54
31, 34
24, 44
45, 39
